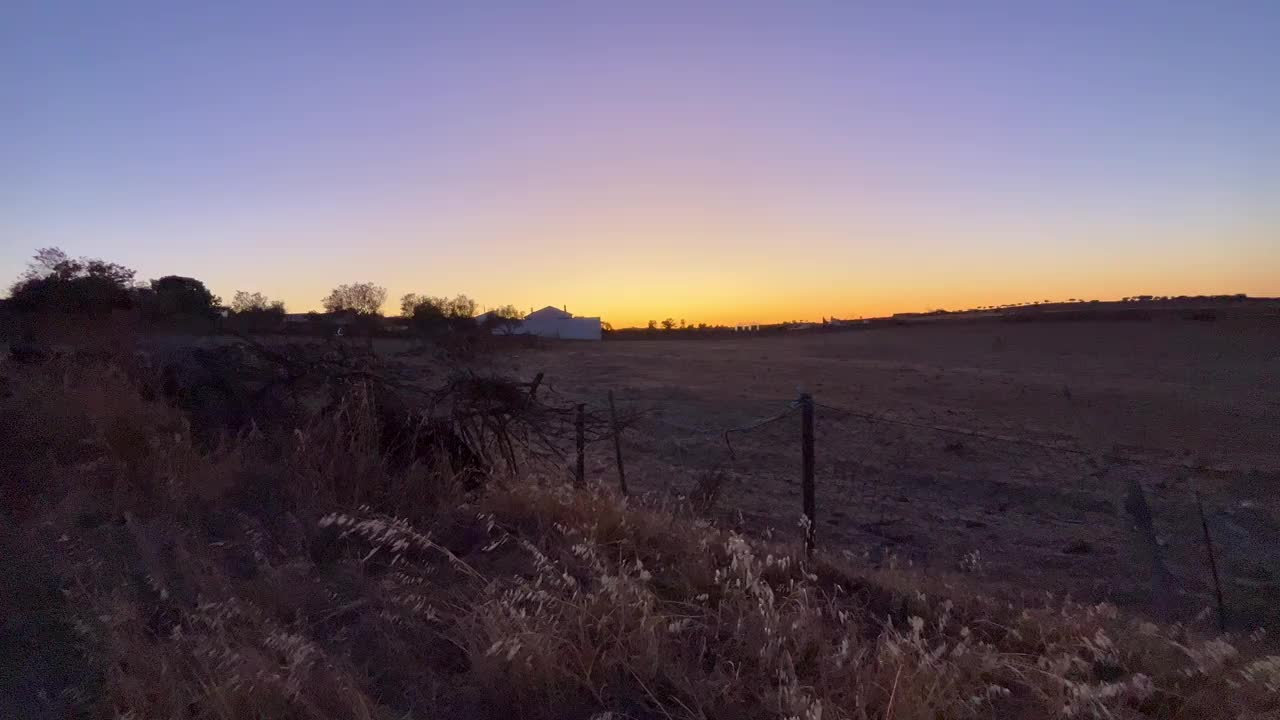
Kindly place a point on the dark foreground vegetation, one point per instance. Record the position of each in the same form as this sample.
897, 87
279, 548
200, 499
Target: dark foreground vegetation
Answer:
306, 534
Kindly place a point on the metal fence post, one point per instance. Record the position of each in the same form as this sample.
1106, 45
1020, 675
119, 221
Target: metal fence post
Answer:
806, 469
580, 430
617, 445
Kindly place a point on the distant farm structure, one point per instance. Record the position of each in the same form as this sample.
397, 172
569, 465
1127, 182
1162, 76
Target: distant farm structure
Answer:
551, 322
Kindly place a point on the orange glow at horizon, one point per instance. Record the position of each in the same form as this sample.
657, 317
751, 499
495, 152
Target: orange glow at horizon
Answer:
739, 276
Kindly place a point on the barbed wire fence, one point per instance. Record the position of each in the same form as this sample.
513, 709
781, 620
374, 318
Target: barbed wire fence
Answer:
840, 464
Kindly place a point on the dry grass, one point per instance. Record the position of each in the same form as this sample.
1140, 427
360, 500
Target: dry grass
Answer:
311, 581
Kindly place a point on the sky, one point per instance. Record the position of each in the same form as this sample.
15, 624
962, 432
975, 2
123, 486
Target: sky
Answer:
721, 162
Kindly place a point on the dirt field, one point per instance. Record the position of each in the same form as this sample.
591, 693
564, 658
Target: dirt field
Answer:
1034, 519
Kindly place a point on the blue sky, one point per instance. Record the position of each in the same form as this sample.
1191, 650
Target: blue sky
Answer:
719, 161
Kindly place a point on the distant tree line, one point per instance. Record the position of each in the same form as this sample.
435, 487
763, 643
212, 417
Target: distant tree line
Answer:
56, 283
1235, 297
671, 324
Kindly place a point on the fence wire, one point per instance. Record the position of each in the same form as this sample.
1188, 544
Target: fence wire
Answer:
1015, 505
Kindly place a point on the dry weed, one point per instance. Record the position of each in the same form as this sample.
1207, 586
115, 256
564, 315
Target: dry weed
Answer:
314, 581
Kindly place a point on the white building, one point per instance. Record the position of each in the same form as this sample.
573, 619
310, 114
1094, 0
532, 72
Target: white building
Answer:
552, 322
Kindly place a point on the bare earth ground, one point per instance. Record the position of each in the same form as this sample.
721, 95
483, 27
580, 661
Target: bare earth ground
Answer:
1039, 520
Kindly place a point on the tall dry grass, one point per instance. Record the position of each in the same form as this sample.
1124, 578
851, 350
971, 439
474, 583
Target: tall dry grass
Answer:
306, 578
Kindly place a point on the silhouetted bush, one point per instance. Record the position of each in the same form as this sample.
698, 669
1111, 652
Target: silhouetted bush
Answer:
503, 320
433, 317
55, 282
254, 312
361, 298
176, 301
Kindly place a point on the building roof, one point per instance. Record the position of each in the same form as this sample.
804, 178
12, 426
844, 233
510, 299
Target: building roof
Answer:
548, 312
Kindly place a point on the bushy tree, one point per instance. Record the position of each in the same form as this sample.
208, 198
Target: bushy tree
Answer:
53, 281
668, 324
363, 298
177, 297
255, 302
427, 316
432, 316
504, 319
256, 312
460, 307
409, 303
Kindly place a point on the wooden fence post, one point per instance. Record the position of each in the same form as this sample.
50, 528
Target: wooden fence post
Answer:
1162, 581
580, 430
1213, 564
617, 445
806, 469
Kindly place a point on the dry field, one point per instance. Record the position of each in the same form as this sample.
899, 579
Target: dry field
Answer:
1028, 518
309, 572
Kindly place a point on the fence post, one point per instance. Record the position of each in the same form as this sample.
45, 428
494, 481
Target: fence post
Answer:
806, 469
617, 445
580, 430
1213, 565
1136, 505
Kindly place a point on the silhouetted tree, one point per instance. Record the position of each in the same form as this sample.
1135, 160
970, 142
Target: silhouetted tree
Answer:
255, 312
426, 315
433, 316
360, 298
246, 302
176, 297
409, 302
504, 319
461, 307
653, 325
55, 282
668, 324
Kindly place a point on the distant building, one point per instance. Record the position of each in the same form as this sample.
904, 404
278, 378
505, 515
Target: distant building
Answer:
552, 322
